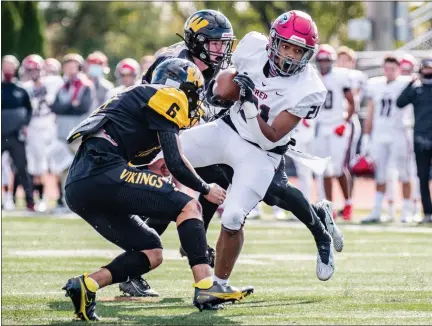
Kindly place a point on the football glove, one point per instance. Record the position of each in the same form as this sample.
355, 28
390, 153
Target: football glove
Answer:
247, 87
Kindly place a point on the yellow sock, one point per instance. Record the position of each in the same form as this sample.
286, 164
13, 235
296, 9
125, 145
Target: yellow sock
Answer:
91, 284
205, 283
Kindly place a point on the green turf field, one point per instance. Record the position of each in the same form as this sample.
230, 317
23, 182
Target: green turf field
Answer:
384, 276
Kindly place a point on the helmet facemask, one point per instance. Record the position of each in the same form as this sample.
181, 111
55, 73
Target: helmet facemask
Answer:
195, 96
199, 45
287, 66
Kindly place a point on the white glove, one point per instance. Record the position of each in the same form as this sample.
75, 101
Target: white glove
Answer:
365, 144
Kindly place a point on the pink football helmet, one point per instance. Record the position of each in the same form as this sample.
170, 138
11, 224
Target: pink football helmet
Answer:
294, 27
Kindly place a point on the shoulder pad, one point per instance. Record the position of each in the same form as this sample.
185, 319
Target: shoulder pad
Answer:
172, 104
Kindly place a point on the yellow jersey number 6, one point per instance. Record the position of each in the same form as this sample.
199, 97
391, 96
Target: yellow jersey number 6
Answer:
172, 111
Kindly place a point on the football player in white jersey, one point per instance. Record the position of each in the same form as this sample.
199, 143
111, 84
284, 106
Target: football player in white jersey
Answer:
41, 130
407, 64
385, 127
278, 88
334, 130
347, 58
126, 72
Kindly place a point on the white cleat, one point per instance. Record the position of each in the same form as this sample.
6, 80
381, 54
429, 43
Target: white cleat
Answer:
371, 219
41, 206
335, 232
9, 205
325, 261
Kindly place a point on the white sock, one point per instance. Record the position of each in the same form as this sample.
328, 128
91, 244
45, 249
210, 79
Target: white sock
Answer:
348, 202
406, 207
379, 197
220, 281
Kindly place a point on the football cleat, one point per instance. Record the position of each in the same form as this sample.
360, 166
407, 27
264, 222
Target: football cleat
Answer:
325, 262
211, 255
210, 295
347, 212
137, 287
427, 219
371, 219
336, 234
82, 298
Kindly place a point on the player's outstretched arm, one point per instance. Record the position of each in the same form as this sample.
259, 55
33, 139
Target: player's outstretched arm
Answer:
183, 171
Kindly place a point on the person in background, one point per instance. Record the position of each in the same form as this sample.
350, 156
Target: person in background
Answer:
96, 67
127, 71
16, 112
147, 60
419, 94
72, 104
408, 65
41, 130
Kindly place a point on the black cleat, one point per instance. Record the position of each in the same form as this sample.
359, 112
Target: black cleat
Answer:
211, 255
210, 295
137, 287
82, 298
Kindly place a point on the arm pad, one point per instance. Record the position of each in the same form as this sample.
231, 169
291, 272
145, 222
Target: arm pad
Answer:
177, 166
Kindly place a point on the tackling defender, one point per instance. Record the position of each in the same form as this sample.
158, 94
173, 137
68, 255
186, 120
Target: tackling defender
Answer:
109, 194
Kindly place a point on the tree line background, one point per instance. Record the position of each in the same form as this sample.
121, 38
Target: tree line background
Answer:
133, 29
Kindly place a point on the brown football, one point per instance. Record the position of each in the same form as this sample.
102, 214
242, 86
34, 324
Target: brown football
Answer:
224, 86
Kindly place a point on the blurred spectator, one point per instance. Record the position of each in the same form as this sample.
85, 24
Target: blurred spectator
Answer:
147, 60
96, 67
52, 67
16, 111
127, 70
419, 94
72, 104
40, 132
8, 203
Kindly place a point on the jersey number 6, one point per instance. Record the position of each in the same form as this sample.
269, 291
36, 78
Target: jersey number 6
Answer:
173, 109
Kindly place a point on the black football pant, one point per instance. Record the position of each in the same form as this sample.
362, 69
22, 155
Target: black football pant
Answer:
423, 157
16, 149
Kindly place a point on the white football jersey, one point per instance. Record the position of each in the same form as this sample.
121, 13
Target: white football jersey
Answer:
332, 112
387, 118
301, 94
42, 117
358, 81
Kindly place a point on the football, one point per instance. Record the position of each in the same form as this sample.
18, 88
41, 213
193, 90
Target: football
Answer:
224, 86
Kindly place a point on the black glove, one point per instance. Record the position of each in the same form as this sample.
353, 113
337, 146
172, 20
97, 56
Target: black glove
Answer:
247, 87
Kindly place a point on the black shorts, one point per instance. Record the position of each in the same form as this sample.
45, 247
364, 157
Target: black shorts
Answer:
110, 200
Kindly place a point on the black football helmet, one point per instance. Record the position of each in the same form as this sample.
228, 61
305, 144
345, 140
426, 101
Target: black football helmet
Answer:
205, 26
185, 76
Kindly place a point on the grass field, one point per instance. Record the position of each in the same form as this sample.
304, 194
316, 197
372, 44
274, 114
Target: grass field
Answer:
384, 276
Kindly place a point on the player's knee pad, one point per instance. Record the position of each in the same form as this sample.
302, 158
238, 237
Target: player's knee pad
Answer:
130, 264
233, 220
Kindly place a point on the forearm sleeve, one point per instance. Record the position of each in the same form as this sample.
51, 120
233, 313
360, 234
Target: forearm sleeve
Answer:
177, 166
